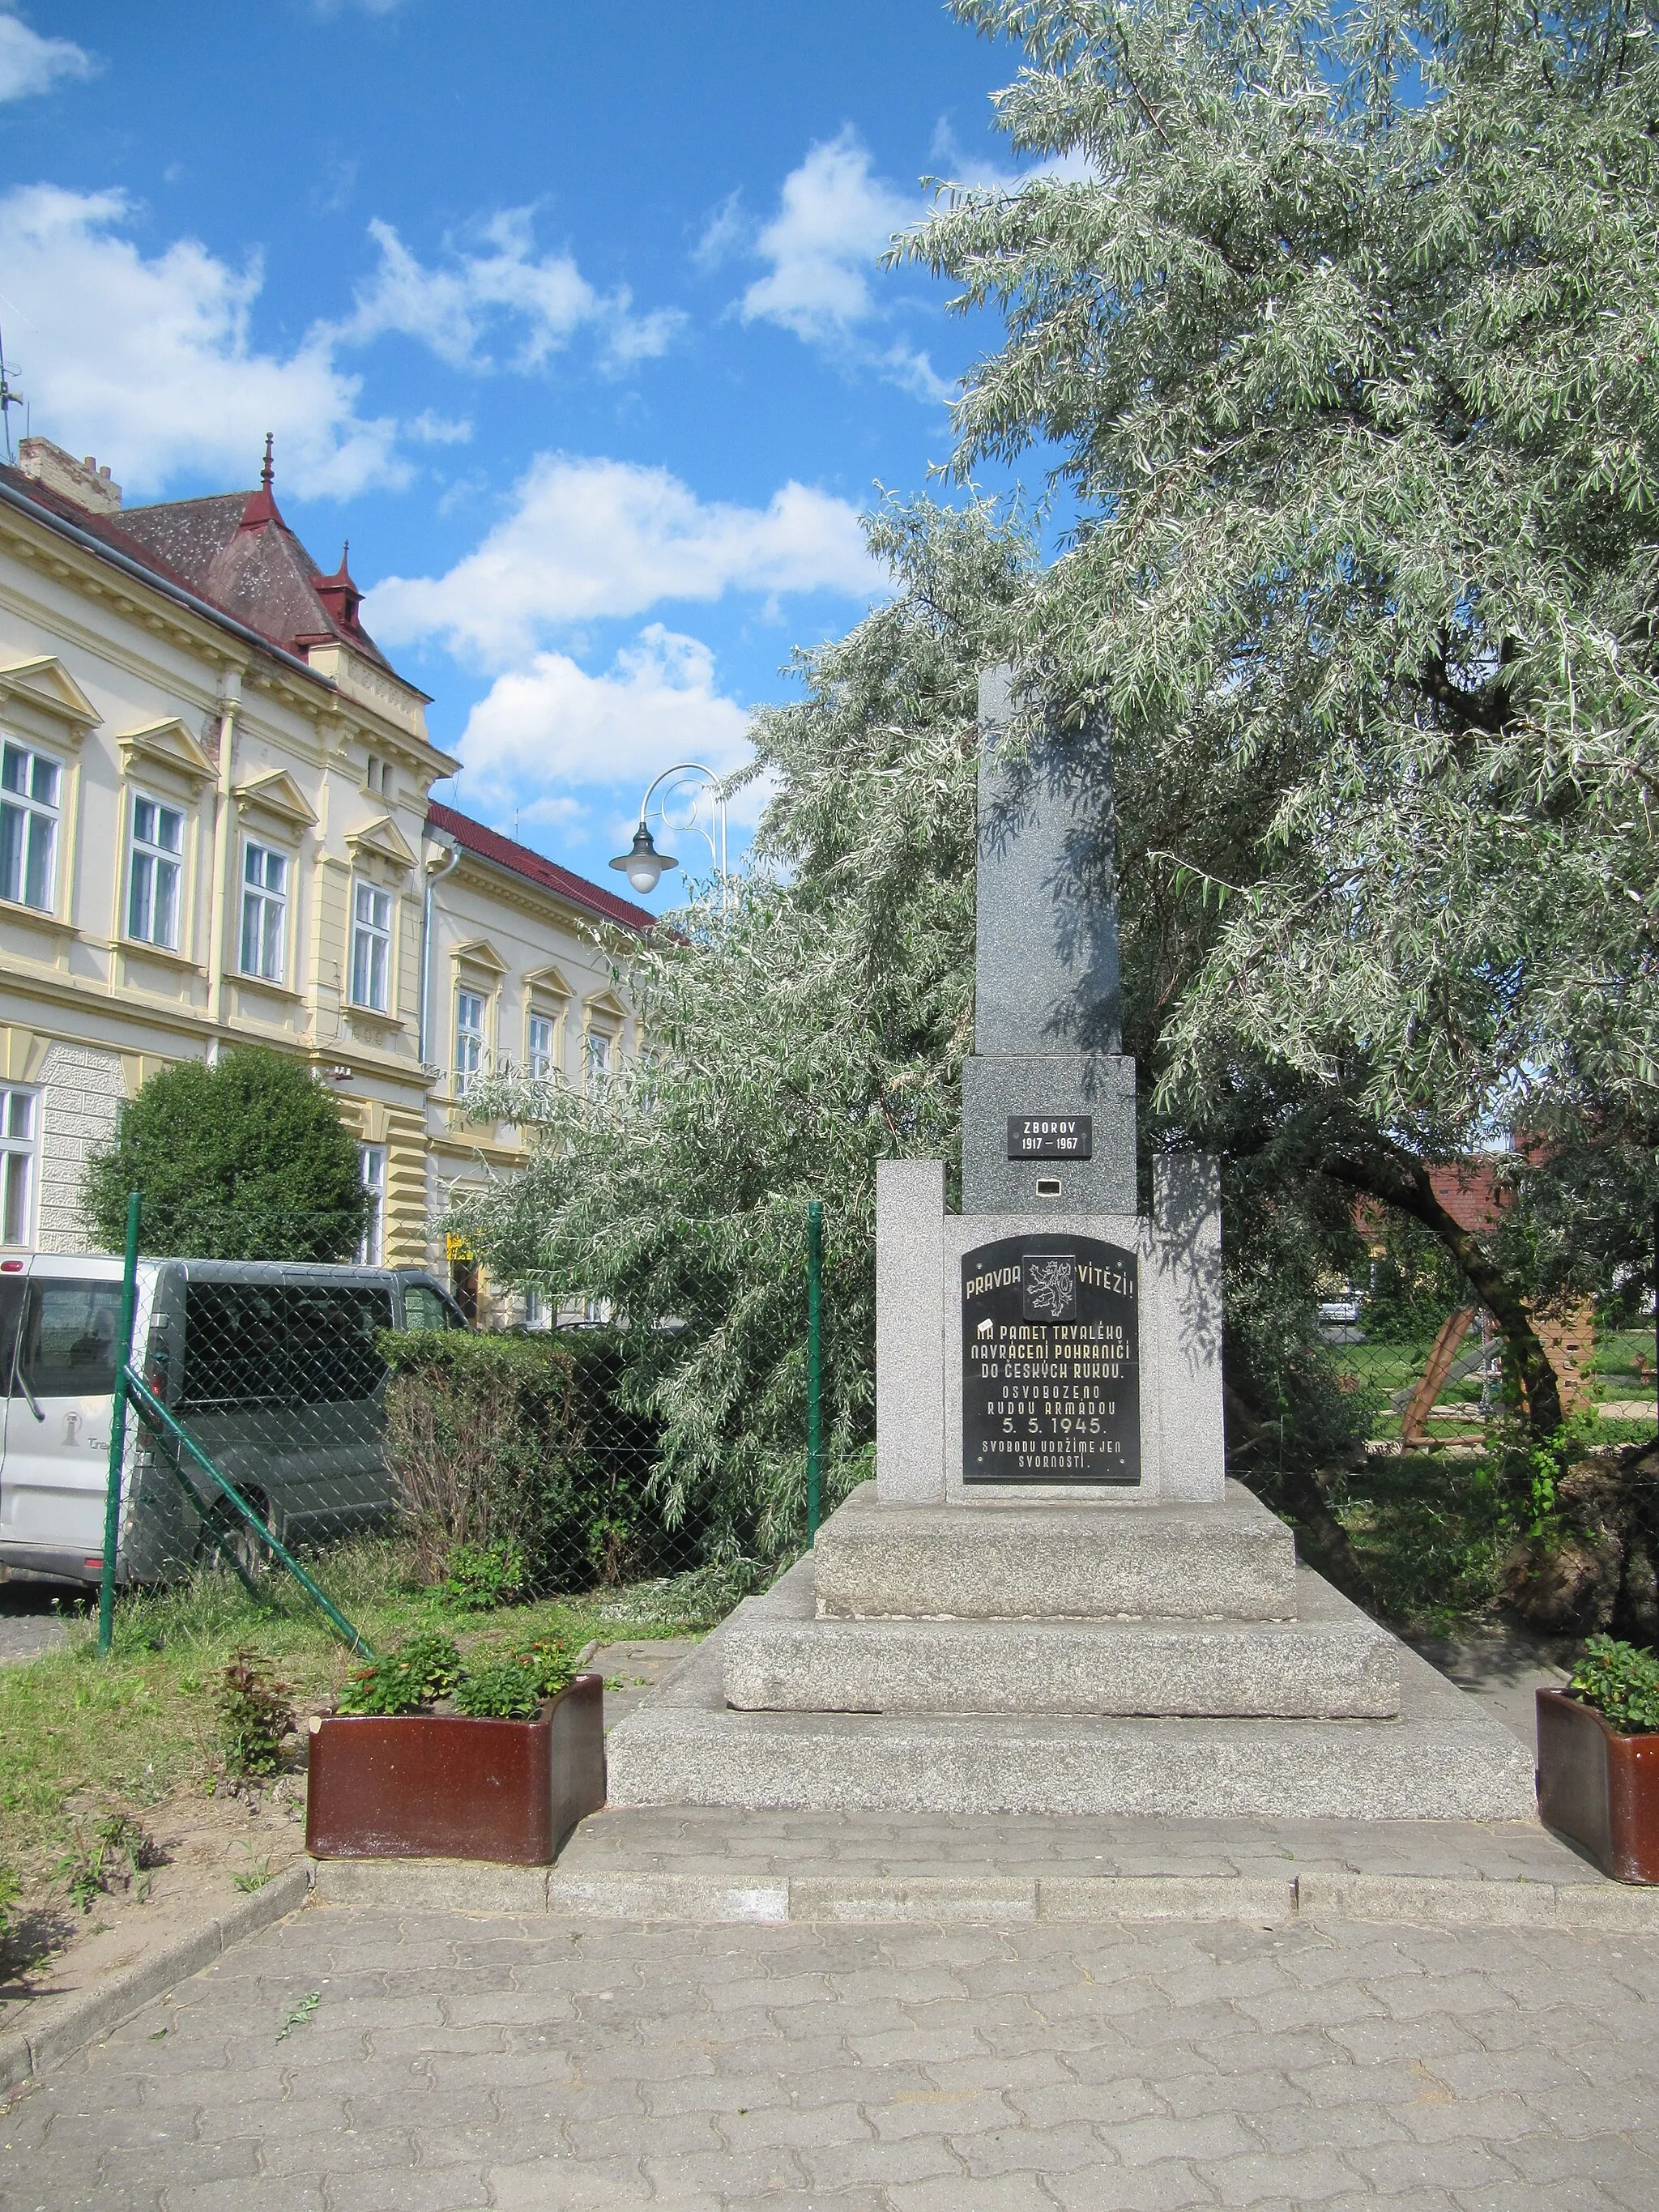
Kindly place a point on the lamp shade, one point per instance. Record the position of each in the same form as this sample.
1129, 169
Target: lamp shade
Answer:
642, 864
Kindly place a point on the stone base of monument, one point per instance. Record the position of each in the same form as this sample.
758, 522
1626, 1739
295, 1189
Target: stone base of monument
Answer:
1074, 1706
1329, 1663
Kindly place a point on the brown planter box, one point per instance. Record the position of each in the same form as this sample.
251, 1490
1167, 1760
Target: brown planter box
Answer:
442, 1786
1599, 1787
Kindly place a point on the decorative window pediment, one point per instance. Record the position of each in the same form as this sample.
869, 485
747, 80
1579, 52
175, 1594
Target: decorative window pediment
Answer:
607, 1006
383, 840
479, 952
547, 983
167, 745
277, 797
46, 698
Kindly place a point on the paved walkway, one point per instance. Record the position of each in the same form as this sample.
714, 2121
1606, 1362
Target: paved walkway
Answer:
438, 2063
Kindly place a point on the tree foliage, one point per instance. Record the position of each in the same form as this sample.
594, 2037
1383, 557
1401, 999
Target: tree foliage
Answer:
816, 1028
1342, 321
247, 1159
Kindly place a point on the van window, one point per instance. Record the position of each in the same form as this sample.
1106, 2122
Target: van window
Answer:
280, 1344
424, 1308
68, 1338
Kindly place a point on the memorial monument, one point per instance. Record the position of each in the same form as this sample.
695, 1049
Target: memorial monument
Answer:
1051, 1598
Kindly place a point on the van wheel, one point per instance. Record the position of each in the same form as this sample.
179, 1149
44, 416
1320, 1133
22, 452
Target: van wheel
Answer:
236, 1539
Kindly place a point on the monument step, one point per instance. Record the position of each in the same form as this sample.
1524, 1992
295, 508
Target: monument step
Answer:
1330, 1662
1444, 1758
1083, 1560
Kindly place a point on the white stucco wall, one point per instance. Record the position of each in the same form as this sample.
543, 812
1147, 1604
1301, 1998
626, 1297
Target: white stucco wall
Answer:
81, 1092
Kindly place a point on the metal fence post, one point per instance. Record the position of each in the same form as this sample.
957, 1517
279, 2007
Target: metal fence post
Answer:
814, 1364
117, 1431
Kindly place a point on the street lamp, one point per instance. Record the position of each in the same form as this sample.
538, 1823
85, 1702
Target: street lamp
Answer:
643, 865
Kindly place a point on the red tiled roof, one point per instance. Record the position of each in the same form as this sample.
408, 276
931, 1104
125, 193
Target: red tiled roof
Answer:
490, 845
233, 551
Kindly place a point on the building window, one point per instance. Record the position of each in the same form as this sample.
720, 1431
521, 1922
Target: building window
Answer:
371, 1253
265, 911
155, 866
469, 1038
29, 785
371, 947
17, 1144
543, 1037
596, 1056
535, 1308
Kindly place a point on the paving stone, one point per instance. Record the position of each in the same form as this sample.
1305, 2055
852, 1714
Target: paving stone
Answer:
1171, 2187
1306, 2177
1002, 2192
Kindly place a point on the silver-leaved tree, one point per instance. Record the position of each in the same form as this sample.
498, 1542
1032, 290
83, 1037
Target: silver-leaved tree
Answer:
817, 1027
1340, 322
1343, 320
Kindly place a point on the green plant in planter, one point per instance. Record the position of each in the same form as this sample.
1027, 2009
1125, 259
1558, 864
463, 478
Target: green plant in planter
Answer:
477, 1577
550, 1663
499, 1690
1621, 1680
417, 1673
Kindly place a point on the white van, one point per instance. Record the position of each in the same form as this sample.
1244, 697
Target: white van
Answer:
272, 1369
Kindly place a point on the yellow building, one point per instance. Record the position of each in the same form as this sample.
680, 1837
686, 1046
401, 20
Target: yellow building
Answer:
216, 827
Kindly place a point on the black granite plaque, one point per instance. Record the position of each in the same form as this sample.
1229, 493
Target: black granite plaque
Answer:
1050, 1362
1051, 1136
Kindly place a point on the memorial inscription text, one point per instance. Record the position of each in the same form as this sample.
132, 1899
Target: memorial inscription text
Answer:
1051, 1136
1050, 1361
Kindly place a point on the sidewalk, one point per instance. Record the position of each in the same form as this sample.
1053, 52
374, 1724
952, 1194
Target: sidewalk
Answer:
446, 2063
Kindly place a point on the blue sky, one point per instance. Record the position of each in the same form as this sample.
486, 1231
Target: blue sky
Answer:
567, 315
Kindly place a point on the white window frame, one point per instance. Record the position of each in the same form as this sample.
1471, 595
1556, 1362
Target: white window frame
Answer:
149, 863
470, 1038
542, 1066
371, 937
20, 1162
598, 1058
264, 897
34, 817
371, 1167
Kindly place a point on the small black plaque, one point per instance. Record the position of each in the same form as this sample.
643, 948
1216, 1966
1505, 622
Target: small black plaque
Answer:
1051, 1136
1050, 1362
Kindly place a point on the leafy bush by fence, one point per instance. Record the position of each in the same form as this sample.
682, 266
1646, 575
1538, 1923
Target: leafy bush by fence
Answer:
503, 1445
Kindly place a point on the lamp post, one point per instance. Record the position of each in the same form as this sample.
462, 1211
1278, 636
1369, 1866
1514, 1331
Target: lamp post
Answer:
644, 866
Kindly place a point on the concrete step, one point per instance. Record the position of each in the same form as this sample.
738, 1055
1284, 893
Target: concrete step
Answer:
1087, 1560
1442, 1759
1330, 1662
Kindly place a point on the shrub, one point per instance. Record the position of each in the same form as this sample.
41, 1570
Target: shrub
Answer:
479, 1576
254, 1715
414, 1674
248, 1159
479, 1433
1621, 1682
499, 1690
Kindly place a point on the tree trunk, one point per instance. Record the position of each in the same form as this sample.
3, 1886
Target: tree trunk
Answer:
1396, 1179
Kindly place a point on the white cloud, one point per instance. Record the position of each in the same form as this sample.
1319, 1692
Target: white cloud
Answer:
592, 537
454, 308
150, 364
833, 223
726, 229
30, 64
549, 726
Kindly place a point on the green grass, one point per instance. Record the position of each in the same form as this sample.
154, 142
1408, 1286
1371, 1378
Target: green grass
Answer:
79, 1734
1431, 1532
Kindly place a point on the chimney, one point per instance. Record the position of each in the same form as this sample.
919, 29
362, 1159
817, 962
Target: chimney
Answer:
83, 482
